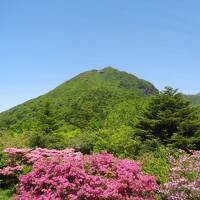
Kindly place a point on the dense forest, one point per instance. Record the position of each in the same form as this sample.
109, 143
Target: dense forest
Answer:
92, 104
113, 111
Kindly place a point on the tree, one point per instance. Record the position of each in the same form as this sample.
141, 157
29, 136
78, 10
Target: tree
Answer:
46, 126
170, 119
47, 120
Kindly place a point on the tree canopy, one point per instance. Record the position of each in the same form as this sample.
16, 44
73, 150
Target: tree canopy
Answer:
171, 120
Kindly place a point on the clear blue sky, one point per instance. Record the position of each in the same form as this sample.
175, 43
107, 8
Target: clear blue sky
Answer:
45, 42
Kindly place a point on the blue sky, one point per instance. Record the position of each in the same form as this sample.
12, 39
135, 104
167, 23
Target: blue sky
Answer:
45, 42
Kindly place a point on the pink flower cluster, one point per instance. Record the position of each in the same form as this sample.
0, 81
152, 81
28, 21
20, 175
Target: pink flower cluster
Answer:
66, 174
7, 171
32, 155
184, 177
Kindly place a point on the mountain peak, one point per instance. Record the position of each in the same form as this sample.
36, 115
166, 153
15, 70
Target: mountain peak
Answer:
109, 68
109, 86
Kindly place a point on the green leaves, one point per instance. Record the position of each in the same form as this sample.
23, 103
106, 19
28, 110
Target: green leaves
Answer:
171, 119
84, 101
156, 164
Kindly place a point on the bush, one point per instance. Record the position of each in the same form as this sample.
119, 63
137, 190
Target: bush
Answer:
98, 176
70, 175
184, 179
156, 164
120, 141
11, 139
9, 171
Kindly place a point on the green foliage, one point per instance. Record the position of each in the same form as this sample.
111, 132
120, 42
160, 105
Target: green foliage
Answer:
90, 102
3, 160
26, 169
171, 120
120, 141
83, 141
43, 135
156, 164
13, 139
84, 101
195, 99
192, 176
6, 194
106, 110
47, 122
91, 110
125, 113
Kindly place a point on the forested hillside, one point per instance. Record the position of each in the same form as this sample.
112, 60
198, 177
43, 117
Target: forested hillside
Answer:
107, 117
195, 99
86, 100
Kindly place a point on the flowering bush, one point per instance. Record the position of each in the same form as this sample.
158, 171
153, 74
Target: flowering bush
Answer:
184, 179
70, 175
7, 171
19, 161
8, 174
67, 174
98, 176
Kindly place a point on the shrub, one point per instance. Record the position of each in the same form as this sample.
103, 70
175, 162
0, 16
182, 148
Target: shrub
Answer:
99, 177
19, 161
70, 175
11, 139
121, 142
9, 171
184, 179
156, 164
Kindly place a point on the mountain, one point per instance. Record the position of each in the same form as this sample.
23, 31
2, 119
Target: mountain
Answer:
195, 99
86, 99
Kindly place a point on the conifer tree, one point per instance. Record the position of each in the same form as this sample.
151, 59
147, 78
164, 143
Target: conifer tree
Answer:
47, 124
171, 119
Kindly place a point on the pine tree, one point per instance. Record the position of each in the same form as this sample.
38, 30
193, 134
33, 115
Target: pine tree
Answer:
171, 119
47, 121
47, 124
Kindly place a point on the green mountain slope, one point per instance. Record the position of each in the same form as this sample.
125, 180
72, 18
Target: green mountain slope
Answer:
195, 99
85, 100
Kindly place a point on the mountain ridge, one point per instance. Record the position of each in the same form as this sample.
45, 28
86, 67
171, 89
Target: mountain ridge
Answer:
92, 94
105, 87
195, 99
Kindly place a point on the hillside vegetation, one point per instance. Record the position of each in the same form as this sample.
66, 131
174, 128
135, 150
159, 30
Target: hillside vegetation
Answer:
89, 97
97, 111
195, 99
103, 110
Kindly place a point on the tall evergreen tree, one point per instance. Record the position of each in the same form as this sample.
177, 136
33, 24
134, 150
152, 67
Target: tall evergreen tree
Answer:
171, 119
47, 124
47, 120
